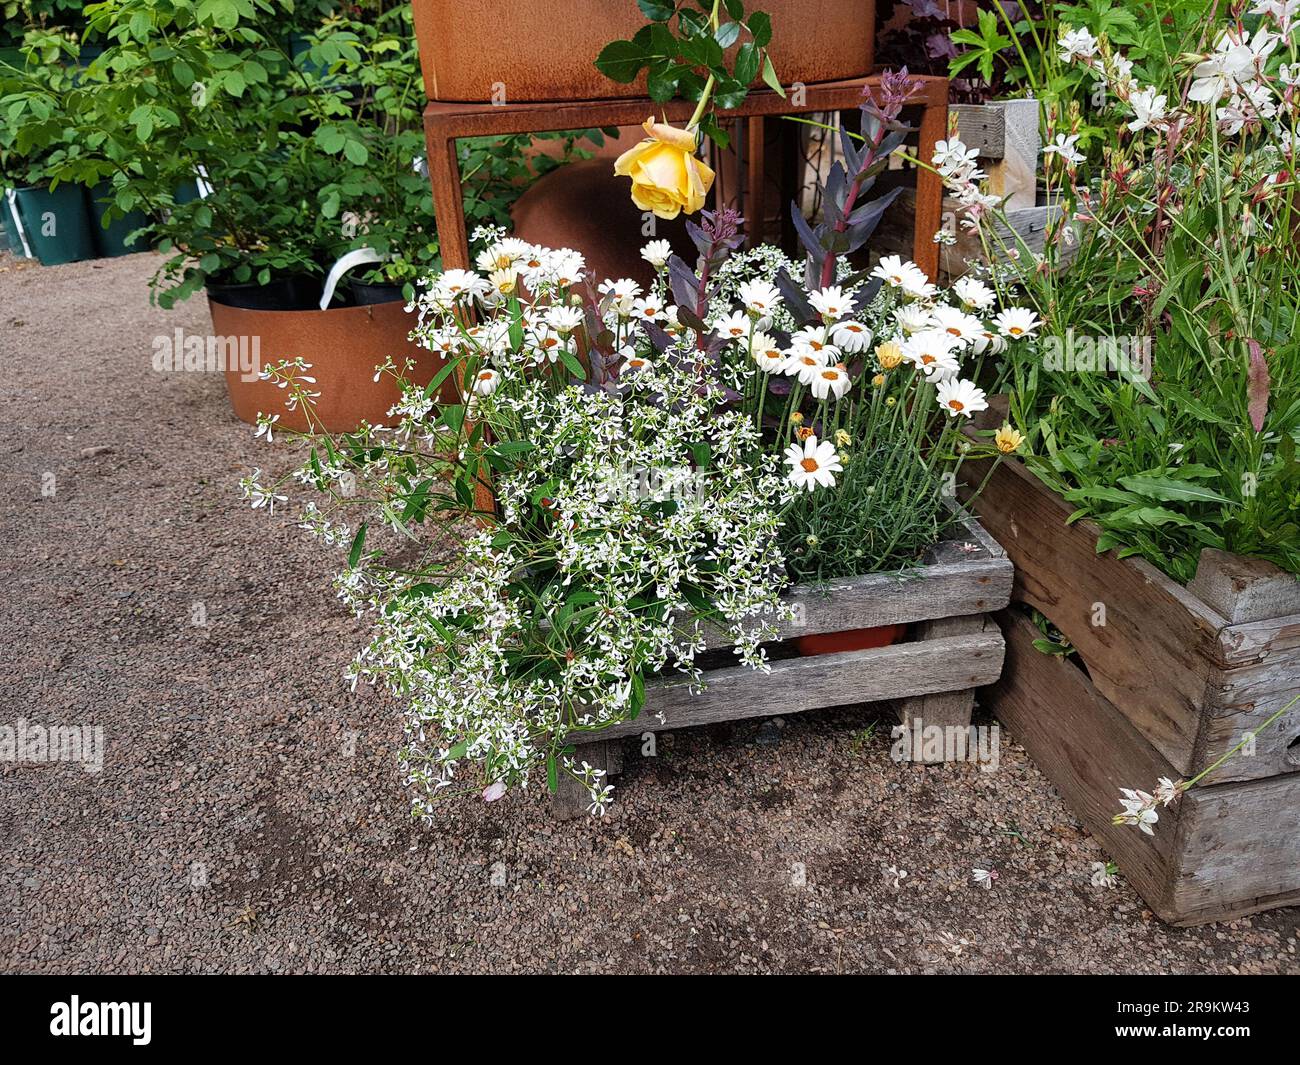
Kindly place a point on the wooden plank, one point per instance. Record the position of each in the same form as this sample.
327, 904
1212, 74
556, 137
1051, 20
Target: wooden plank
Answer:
1239, 701
1014, 176
943, 708
1244, 589
1238, 850
798, 684
980, 127
571, 799
1088, 750
1148, 643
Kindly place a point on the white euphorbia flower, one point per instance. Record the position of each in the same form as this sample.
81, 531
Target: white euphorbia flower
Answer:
1016, 323
1149, 108
830, 381
1076, 44
851, 336
813, 464
759, 297
657, 253
959, 397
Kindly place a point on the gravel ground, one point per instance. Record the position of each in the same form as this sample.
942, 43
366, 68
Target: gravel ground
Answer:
249, 815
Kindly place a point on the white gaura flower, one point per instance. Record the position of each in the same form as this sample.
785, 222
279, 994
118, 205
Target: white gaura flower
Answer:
1149, 108
648, 309
912, 318
485, 382
953, 156
621, 295
656, 253
769, 357
1017, 323
909, 277
1076, 44
933, 352
851, 336
962, 327
735, 326
804, 364
1139, 809
984, 877
1064, 147
1102, 875
830, 380
960, 397
813, 464
973, 294
759, 297
1235, 60
830, 303
564, 320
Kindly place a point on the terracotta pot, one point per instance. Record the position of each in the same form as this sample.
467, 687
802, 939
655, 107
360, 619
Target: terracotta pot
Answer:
343, 345
830, 643
583, 206
478, 50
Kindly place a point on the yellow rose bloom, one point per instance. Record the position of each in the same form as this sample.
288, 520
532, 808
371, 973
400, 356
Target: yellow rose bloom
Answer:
666, 176
1008, 439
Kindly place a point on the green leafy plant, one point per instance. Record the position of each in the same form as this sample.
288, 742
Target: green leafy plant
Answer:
686, 51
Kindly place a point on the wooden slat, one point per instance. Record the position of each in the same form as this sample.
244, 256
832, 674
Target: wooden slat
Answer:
979, 127
1238, 850
1153, 656
799, 684
1244, 589
1088, 750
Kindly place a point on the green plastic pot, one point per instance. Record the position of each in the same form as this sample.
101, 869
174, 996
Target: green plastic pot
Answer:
111, 241
10, 240
56, 223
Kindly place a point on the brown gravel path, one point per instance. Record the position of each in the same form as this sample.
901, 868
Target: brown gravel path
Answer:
249, 816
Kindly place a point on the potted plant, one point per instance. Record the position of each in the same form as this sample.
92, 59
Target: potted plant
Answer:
725, 459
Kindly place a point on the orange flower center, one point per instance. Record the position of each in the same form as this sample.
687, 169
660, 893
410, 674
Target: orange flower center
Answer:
810, 465
831, 375
956, 404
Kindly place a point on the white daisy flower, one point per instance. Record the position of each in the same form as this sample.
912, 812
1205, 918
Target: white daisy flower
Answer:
959, 325
634, 362
813, 464
735, 326
960, 397
621, 295
656, 253
974, 294
566, 268
769, 357
648, 309
564, 320
460, 284
933, 352
912, 318
1017, 323
830, 302
815, 339
830, 380
759, 297
851, 336
485, 382
896, 273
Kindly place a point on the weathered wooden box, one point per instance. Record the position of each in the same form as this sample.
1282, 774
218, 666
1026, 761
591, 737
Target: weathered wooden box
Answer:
1166, 680
951, 648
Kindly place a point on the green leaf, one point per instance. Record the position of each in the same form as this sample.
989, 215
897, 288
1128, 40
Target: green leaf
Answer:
358, 545
770, 79
1168, 489
552, 773
726, 34
657, 10
760, 25
356, 152
621, 61
747, 62
573, 365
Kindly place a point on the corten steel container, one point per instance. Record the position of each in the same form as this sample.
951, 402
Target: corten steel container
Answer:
500, 51
343, 345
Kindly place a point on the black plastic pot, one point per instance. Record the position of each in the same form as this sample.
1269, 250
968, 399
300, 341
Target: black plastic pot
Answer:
364, 293
294, 293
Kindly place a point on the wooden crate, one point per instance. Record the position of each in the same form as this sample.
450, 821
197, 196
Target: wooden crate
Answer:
1165, 681
952, 648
